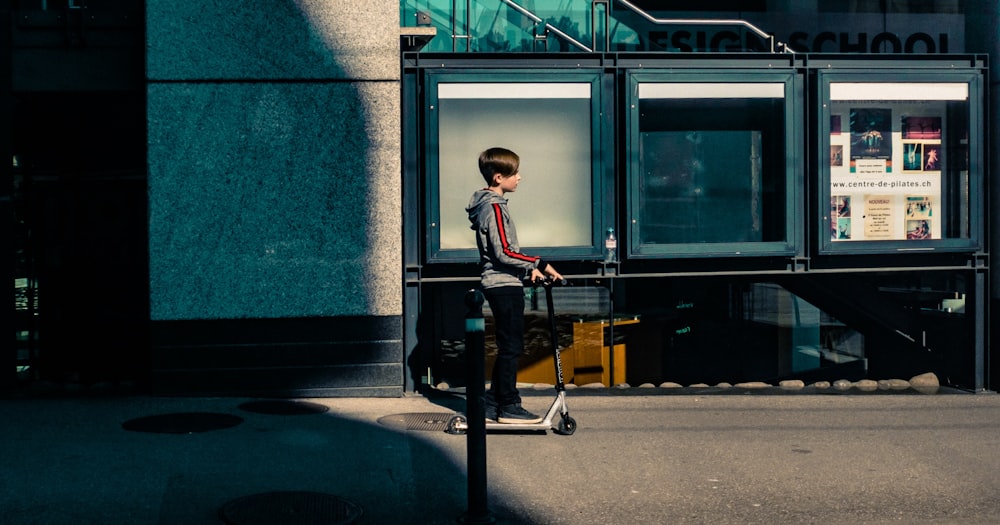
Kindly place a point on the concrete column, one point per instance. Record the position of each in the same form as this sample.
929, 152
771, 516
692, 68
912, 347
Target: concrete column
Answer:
273, 131
274, 203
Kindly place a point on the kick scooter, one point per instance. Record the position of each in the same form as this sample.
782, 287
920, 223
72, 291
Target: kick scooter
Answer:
565, 425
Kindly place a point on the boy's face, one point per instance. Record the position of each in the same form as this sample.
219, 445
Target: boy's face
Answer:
509, 183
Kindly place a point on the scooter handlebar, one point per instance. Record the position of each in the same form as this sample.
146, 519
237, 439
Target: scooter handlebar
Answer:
549, 281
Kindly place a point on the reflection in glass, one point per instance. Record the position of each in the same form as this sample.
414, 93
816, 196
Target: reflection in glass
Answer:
808, 338
700, 186
712, 170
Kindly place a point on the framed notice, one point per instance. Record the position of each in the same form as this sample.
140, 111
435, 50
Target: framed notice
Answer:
898, 174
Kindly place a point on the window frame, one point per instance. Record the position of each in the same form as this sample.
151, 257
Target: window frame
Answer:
828, 246
601, 148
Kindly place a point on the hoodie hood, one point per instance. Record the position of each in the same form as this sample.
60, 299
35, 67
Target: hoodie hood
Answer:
479, 201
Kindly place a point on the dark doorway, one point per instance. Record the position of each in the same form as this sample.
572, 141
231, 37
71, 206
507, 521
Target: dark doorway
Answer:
80, 238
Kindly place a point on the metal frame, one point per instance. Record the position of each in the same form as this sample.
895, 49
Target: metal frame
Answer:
598, 180
969, 76
615, 64
792, 243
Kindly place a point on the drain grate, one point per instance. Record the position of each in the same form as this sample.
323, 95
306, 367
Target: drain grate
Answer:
430, 421
283, 407
182, 423
290, 508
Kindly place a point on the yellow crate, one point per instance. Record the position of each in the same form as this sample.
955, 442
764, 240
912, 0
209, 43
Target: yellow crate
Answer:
538, 369
593, 358
544, 370
602, 373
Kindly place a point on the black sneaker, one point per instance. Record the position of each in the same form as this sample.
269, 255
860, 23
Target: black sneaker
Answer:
515, 413
490, 410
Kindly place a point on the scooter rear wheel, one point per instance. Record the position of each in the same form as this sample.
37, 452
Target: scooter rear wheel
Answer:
566, 426
457, 425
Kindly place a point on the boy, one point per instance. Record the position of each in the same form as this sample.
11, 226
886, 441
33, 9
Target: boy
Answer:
504, 268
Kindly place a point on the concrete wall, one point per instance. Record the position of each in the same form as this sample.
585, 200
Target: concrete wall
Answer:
273, 158
274, 202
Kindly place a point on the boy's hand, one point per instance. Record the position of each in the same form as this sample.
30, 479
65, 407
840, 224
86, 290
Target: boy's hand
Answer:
537, 276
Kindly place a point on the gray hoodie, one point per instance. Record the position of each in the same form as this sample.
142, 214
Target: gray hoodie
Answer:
500, 256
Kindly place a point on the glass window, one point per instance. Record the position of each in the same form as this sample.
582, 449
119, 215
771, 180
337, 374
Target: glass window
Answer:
711, 170
899, 166
551, 126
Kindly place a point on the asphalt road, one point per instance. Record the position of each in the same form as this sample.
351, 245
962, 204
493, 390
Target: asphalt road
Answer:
721, 459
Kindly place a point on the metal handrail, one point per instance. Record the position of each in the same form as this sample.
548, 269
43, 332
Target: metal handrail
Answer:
454, 26
707, 21
637, 10
548, 27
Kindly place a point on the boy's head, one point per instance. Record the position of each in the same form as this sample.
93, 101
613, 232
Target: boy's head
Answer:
498, 161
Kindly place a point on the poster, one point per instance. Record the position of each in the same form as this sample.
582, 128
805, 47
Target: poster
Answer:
918, 229
871, 140
932, 157
919, 217
837, 155
887, 163
913, 156
919, 207
923, 128
840, 211
921, 143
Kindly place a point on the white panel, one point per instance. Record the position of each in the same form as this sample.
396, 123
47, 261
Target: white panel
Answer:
553, 205
712, 90
477, 90
898, 91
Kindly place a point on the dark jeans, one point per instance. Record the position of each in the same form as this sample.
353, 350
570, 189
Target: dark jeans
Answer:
507, 304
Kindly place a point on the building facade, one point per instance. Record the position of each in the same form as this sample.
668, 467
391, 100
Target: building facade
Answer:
267, 201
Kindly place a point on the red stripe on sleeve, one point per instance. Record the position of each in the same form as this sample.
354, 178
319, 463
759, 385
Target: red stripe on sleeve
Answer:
505, 245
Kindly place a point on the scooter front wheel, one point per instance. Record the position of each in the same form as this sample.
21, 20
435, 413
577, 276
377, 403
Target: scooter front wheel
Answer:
566, 426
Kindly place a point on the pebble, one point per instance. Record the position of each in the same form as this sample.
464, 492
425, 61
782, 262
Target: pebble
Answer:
926, 383
753, 384
866, 384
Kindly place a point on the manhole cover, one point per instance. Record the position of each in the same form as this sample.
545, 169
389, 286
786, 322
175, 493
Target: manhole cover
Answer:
432, 421
290, 508
283, 407
182, 423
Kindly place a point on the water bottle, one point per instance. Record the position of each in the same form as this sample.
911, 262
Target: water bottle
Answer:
610, 247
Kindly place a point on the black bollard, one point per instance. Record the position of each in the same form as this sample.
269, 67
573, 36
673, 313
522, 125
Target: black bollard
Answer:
475, 358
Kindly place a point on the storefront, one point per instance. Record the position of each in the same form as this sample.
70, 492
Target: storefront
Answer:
778, 215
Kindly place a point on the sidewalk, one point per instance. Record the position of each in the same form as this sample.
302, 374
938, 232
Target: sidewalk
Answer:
635, 458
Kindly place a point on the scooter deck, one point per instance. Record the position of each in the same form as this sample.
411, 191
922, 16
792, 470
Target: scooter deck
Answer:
558, 406
557, 419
